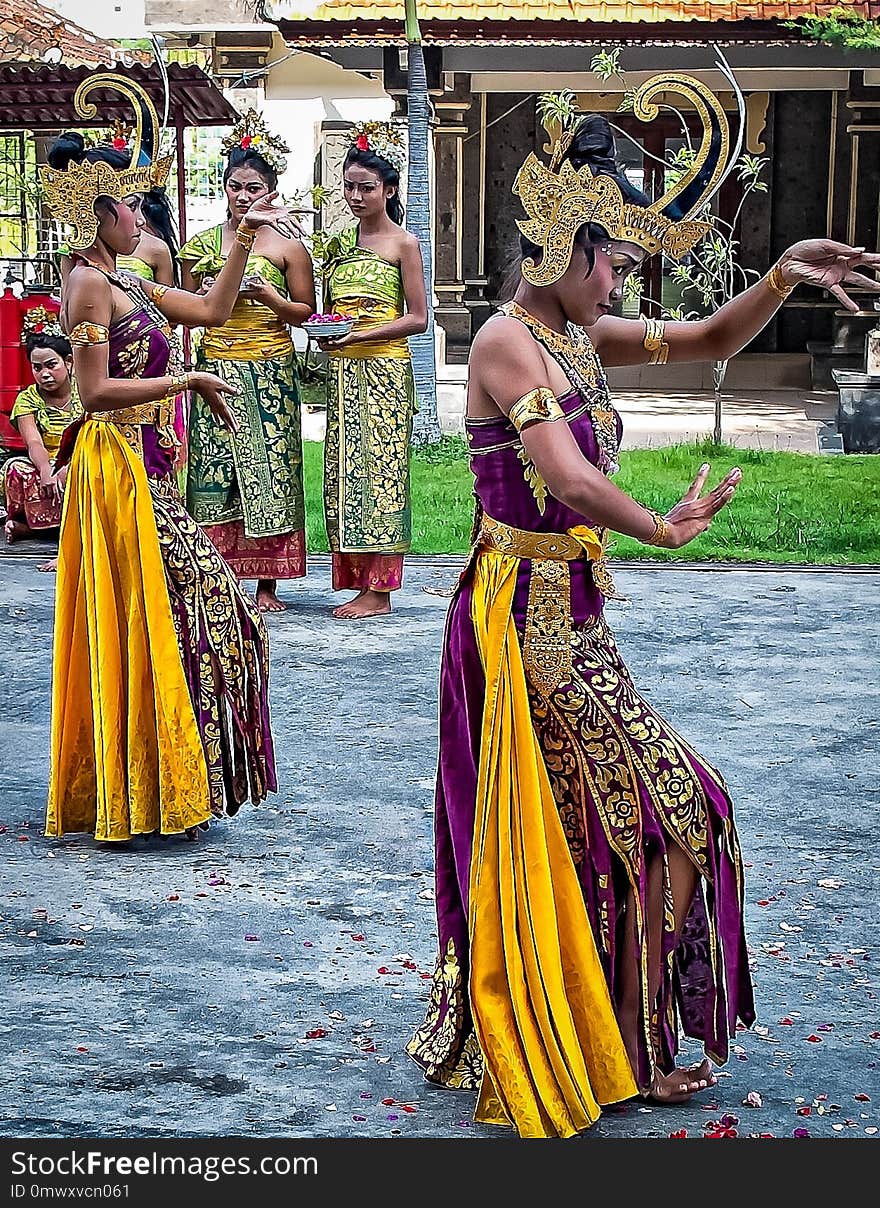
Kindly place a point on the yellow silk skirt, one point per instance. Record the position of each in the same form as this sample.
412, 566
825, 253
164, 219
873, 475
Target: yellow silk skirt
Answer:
541, 1007
126, 754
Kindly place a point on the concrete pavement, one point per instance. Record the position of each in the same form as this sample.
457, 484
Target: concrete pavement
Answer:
259, 981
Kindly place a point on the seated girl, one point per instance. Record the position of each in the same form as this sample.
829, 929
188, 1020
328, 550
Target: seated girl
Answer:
31, 485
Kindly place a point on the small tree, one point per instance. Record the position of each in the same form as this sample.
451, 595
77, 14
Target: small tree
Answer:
713, 272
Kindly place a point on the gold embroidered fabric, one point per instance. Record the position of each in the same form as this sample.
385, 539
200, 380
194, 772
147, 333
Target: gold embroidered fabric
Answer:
654, 343
436, 1046
85, 334
539, 405
547, 642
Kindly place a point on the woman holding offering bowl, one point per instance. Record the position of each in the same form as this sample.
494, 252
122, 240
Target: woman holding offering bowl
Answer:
374, 278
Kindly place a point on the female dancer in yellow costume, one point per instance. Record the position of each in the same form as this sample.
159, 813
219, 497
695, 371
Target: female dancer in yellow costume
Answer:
160, 715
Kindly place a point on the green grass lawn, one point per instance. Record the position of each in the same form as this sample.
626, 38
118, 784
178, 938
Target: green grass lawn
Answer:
791, 507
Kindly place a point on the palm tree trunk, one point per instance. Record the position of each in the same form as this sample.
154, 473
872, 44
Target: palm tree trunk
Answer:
426, 429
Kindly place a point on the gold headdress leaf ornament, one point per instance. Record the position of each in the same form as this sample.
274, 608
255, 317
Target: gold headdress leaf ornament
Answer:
382, 139
252, 134
71, 192
560, 198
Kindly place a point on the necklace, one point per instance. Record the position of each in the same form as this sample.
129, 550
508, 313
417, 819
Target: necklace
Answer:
573, 351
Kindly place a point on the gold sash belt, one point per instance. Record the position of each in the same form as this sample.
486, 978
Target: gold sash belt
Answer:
547, 644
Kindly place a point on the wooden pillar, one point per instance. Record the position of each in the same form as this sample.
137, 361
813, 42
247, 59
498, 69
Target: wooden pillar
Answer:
454, 201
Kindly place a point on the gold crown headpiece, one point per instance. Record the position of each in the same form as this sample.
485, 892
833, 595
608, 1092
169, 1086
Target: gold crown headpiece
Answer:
40, 322
71, 192
560, 198
252, 134
384, 140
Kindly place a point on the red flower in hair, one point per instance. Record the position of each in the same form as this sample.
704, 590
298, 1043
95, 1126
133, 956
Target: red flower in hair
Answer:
246, 141
119, 144
363, 143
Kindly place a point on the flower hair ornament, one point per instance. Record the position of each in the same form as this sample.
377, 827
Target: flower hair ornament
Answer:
40, 322
71, 192
252, 134
382, 139
558, 199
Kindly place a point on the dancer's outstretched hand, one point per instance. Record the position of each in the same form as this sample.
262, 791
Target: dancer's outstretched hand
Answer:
695, 511
830, 265
264, 212
212, 389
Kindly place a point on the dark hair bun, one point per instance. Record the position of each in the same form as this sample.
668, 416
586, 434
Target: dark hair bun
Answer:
67, 149
593, 144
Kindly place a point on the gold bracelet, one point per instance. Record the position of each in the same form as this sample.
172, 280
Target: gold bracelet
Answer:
179, 384
245, 235
159, 292
661, 529
777, 283
654, 343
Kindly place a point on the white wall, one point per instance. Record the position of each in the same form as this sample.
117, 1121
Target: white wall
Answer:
106, 18
305, 90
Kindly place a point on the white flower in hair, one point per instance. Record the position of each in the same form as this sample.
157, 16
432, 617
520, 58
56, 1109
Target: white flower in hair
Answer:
382, 139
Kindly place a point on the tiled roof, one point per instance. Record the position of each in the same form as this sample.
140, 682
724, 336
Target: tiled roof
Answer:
28, 30
599, 11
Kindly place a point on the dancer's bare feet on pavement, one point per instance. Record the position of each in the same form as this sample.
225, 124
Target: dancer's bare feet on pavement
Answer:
682, 1084
52, 564
267, 600
365, 604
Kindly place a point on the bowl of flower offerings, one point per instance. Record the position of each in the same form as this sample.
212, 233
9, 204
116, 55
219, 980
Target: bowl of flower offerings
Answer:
322, 327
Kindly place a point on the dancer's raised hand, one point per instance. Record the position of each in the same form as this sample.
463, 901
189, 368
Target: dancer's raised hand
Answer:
830, 265
695, 511
265, 212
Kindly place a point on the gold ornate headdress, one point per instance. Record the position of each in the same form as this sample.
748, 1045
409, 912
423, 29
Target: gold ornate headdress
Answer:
71, 192
560, 198
384, 140
40, 322
252, 134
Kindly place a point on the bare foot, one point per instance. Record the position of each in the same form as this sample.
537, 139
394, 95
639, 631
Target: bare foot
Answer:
681, 1085
267, 600
52, 564
366, 604
15, 530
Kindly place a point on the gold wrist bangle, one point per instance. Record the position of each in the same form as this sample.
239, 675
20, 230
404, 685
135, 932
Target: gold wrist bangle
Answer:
661, 529
245, 235
777, 283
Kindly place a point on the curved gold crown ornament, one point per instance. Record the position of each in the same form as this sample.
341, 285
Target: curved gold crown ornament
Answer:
560, 198
71, 192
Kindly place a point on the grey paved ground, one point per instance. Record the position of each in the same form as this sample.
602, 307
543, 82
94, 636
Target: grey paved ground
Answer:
259, 982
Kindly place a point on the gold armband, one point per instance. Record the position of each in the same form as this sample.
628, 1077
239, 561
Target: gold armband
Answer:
654, 344
661, 528
777, 283
540, 404
85, 334
159, 292
245, 235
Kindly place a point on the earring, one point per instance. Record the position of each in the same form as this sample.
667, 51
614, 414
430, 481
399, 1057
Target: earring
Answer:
606, 249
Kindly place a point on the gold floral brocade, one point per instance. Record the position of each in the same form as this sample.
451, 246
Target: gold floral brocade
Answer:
437, 1045
547, 642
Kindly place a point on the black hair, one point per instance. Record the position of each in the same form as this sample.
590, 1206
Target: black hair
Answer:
592, 144
70, 148
386, 172
41, 339
246, 157
157, 213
